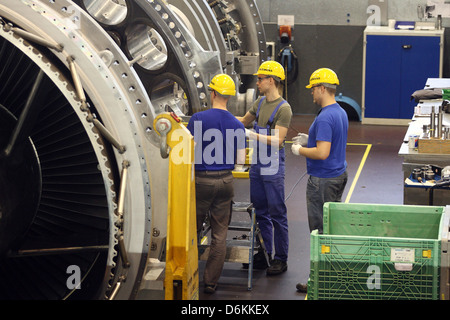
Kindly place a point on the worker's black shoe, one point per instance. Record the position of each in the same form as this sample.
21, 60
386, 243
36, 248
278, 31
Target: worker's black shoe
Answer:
210, 288
259, 262
276, 267
301, 287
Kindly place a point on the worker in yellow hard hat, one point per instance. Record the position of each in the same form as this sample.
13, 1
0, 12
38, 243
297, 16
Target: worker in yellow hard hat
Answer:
272, 116
324, 148
271, 68
216, 152
223, 84
324, 76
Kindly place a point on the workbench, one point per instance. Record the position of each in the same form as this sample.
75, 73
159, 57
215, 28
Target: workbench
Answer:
413, 194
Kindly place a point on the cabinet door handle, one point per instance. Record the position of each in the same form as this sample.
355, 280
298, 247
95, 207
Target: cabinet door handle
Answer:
407, 46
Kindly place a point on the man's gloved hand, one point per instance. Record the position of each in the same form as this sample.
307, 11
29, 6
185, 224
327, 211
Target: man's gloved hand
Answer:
295, 148
301, 139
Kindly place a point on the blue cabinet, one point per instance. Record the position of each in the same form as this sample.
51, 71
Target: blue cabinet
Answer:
397, 63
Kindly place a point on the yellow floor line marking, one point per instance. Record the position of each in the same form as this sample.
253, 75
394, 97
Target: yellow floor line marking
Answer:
361, 165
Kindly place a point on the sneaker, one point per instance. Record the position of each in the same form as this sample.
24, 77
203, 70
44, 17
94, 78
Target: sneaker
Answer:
276, 267
210, 288
301, 287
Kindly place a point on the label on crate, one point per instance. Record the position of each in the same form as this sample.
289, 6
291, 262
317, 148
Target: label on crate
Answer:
403, 266
402, 255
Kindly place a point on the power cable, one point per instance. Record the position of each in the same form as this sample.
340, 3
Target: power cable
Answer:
295, 185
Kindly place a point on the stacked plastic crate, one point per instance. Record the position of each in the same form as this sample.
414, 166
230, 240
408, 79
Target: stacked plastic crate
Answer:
372, 251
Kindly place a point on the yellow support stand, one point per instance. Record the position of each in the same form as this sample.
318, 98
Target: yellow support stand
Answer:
244, 174
181, 275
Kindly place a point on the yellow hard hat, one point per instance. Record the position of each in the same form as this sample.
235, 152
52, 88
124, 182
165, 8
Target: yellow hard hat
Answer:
223, 84
323, 75
271, 68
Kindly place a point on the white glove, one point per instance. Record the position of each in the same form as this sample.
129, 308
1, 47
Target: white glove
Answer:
295, 148
301, 139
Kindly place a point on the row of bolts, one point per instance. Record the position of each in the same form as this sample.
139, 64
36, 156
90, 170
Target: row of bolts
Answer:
436, 130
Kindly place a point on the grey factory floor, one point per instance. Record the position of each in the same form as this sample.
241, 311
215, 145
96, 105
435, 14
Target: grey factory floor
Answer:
372, 151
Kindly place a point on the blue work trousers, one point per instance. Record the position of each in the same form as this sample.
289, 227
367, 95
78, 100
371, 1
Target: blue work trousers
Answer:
267, 196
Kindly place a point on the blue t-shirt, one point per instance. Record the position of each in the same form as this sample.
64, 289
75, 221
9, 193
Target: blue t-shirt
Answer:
331, 124
217, 135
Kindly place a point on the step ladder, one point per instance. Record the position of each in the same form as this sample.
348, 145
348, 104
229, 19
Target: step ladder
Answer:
240, 249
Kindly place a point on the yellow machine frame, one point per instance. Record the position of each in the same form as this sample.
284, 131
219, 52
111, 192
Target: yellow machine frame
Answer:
181, 276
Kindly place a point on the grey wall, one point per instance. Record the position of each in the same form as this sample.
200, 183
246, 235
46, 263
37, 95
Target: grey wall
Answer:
332, 12
329, 33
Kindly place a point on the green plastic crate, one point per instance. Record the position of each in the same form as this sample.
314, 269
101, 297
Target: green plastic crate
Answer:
372, 251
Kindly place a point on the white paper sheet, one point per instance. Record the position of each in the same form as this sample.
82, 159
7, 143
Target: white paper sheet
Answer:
438, 7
